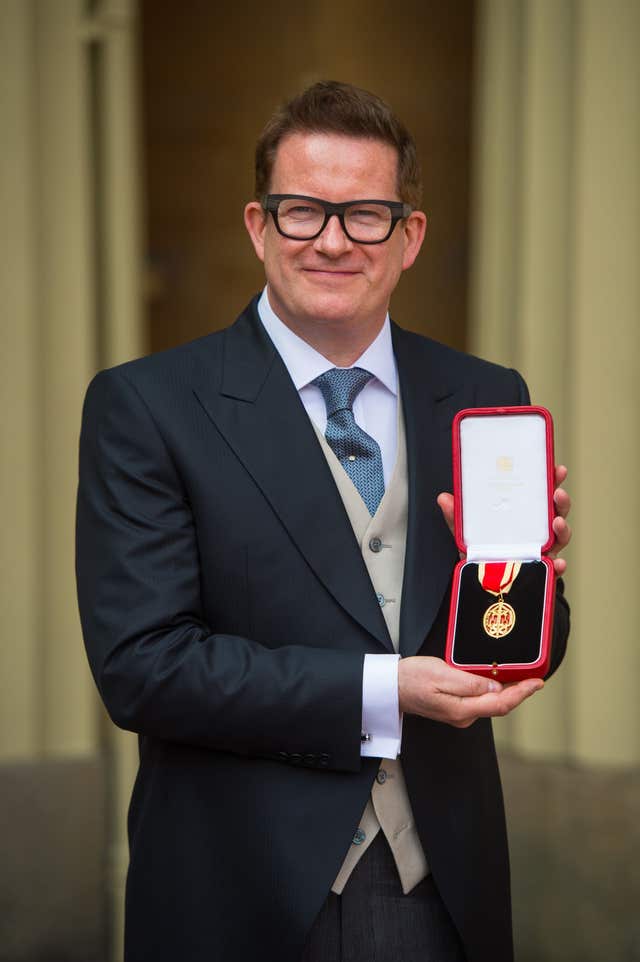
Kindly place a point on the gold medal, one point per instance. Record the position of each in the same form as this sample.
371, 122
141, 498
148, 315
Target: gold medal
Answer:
496, 577
499, 619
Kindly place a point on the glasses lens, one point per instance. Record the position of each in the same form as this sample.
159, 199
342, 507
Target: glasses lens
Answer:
301, 219
367, 222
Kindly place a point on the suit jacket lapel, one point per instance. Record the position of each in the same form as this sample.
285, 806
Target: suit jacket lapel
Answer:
429, 405
258, 411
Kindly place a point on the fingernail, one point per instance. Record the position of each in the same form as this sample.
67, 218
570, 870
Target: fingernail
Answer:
495, 686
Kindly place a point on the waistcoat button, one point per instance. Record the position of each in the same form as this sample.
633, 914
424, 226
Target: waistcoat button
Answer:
381, 599
375, 544
381, 777
358, 837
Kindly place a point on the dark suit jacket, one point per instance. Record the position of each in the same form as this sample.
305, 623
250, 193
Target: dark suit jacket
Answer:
226, 610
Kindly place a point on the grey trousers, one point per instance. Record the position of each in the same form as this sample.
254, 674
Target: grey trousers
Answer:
372, 921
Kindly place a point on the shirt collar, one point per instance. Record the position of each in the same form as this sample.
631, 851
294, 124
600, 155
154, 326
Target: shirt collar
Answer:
304, 363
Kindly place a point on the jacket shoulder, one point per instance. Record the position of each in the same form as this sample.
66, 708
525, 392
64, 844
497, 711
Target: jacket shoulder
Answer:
450, 369
184, 364
183, 360
449, 357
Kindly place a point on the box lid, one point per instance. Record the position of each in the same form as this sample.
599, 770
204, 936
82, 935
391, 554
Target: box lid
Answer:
503, 482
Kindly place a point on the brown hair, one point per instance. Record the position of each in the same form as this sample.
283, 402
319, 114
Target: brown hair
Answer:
340, 108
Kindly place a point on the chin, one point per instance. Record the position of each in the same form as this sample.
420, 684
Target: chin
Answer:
330, 303
331, 310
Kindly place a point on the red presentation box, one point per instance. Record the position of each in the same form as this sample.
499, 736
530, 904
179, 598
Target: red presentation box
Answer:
503, 592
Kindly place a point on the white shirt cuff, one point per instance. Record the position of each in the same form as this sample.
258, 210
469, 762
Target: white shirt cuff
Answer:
381, 718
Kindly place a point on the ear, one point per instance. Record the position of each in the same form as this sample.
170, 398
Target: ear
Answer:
255, 220
414, 230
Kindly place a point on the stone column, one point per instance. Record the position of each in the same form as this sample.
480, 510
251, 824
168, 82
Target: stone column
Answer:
112, 34
496, 179
21, 481
605, 395
543, 271
557, 294
70, 277
65, 250
49, 700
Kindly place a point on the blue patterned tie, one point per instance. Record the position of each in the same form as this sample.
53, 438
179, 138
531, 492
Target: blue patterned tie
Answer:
358, 453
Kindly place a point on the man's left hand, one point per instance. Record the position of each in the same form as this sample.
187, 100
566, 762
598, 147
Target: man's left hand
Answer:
561, 529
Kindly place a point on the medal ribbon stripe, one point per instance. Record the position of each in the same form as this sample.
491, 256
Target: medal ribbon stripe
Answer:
496, 577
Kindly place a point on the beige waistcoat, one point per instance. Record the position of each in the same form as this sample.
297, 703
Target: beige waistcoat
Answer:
388, 808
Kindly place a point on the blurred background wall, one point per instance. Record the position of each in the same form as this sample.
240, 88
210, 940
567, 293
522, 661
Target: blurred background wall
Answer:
128, 130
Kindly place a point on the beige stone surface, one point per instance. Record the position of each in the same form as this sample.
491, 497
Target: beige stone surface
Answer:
53, 824
575, 856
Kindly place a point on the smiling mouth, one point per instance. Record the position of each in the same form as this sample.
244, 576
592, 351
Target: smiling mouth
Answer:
333, 273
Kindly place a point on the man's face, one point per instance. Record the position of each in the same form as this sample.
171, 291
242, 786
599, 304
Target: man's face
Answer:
331, 280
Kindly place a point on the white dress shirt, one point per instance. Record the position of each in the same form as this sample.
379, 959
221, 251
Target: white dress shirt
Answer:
375, 411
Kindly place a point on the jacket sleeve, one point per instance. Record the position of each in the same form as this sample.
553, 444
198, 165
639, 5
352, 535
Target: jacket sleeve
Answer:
161, 670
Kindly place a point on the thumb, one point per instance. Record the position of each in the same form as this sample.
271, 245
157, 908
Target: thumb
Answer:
465, 684
445, 503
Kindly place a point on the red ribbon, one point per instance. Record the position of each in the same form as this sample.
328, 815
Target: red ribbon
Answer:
498, 576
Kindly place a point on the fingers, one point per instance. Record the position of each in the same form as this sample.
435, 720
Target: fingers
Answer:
501, 703
559, 566
562, 533
426, 685
462, 712
561, 529
560, 474
462, 684
429, 687
562, 502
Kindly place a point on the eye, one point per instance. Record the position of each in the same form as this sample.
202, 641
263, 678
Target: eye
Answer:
368, 215
300, 210
365, 212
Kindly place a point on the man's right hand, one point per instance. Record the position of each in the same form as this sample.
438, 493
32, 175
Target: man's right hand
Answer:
429, 687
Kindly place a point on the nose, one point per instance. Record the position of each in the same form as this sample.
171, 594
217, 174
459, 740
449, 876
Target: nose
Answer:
333, 241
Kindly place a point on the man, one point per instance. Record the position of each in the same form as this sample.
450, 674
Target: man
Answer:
258, 542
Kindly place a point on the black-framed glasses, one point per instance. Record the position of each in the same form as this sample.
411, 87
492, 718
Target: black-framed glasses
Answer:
364, 221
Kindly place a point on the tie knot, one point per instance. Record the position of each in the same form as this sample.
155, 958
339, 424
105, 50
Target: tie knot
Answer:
341, 386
